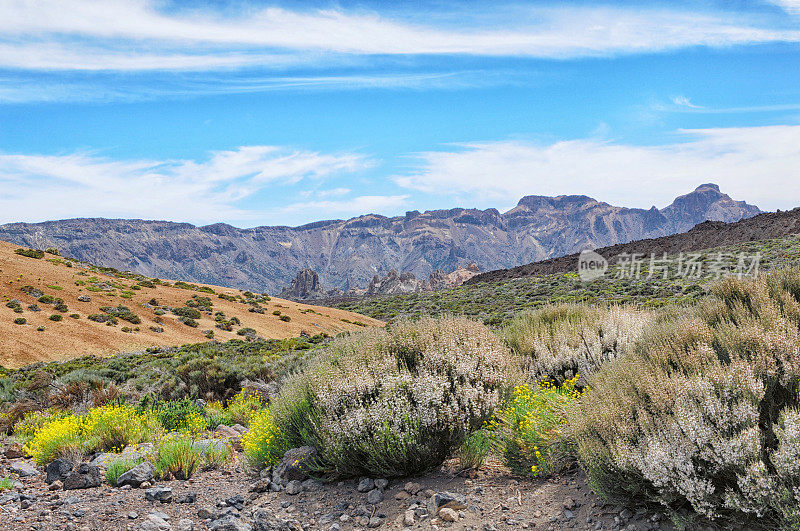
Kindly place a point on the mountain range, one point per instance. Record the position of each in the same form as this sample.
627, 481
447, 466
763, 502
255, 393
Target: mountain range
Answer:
347, 254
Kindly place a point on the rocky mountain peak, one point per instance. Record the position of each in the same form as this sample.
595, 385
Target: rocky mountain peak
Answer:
306, 285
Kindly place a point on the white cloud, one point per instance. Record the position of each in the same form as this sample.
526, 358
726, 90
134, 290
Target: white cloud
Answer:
356, 206
758, 164
683, 101
790, 6
135, 35
38, 187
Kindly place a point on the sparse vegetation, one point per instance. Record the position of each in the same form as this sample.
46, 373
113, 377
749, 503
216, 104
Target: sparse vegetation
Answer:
30, 253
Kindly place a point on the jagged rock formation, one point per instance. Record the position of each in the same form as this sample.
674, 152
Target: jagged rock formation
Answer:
394, 283
305, 286
347, 254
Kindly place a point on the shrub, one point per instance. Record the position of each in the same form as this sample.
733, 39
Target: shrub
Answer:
6, 484
30, 253
178, 456
217, 455
102, 318
55, 317
121, 312
75, 316
59, 438
264, 444
531, 428
285, 318
244, 405
188, 321
395, 402
246, 332
20, 321
557, 342
704, 412
25, 427
174, 415
475, 448
46, 299
116, 468
191, 313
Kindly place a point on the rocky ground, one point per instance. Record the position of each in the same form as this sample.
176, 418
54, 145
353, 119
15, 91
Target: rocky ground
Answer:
232, 499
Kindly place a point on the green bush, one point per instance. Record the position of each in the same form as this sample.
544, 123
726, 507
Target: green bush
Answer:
46, 299
174, 415
178, 456
121, 312
191, 313
704, 412
188, 321
396, 402
20, 321
475, 449
30, 253
285, 318
264, 444
56, 317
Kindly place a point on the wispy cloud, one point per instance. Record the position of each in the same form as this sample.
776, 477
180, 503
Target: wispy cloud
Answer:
39, 187
132, 35
790, 6
683, 101
760, 164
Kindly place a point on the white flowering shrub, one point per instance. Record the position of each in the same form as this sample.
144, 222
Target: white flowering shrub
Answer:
703, 414
396, 401
558, 342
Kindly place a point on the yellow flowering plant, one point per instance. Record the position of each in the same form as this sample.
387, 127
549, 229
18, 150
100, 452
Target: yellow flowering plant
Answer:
264, 444
531, 427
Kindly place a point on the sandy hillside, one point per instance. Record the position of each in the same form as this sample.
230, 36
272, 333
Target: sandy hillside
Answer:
21, 344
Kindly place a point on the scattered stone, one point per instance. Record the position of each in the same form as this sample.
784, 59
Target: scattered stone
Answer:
381, 483
365, 485
569, 515
136, 476
374, 522
57, 470
25, 504
262, 485
15, 451
144, 485
84, 298
229, 523
448, 515
294, 465
56, 485
205, 513
184, 524
311, 484
408, 518
133, 515
161, 494
235, 501
569, 503
412, 488
375, 496
23, 469
294, 487
448, 500
84, 477
9, 497
402, 495
189, 497
154, 523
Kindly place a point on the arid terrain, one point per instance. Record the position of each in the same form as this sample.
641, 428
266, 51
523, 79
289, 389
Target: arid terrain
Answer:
75, 335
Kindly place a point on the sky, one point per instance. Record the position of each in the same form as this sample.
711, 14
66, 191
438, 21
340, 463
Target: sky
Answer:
261, 113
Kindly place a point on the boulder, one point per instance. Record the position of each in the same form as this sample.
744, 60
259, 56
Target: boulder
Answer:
365, 485
448, 500
143, 472
57, 470
229, 523
295, 464
294, 487
84, 477
375, 496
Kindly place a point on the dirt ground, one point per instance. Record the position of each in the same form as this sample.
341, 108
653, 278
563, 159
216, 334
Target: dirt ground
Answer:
69, 338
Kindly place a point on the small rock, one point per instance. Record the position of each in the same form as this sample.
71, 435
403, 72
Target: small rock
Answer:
402, 495
189, 497
205, 513
569, 503
23, 469
375, 496
311, 484
161, 494
235, 501
569, 515
262, 485
229, 523
412, 488
375, 522
365, 485
450, 500
184, 524
15, 451
381, 483
295, 464
448, 515
84, 477
25, 504
408, 518
144, 485
56, 485
84, 298
154, 523
136, 476
133, 515
294, 487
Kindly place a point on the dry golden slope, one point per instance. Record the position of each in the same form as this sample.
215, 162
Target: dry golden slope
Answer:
23, 344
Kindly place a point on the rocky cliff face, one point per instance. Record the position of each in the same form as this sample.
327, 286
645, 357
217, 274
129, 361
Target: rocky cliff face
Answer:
305, 286
349, 253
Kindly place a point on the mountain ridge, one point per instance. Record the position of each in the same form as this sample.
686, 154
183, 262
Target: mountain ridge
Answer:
347, 254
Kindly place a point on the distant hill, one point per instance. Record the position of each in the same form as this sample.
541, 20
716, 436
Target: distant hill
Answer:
101, 311
705, 235
349, 254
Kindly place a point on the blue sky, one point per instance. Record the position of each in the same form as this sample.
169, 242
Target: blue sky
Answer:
258, 113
